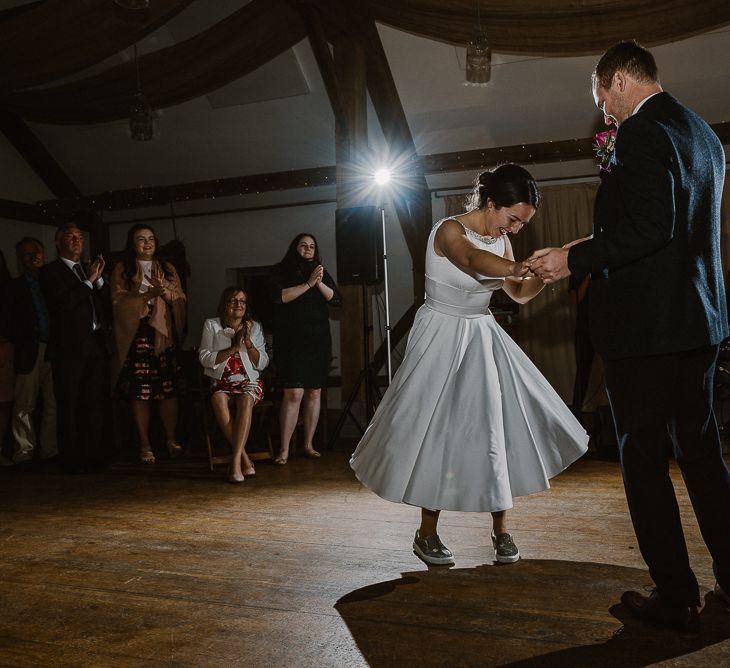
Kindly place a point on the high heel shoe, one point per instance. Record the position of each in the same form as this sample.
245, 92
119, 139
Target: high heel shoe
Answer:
233, 479
280, 461
312, 454
146, 457
174, 448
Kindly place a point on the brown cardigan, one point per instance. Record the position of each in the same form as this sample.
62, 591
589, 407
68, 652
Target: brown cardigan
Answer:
130, 306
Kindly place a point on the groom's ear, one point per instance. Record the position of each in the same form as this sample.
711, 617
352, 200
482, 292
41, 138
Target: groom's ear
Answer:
619, 78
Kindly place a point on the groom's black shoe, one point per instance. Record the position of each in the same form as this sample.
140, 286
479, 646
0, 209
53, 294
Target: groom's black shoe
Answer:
653, 610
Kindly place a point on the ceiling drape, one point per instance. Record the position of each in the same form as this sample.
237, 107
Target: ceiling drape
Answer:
229, 50
59, 37
555, 27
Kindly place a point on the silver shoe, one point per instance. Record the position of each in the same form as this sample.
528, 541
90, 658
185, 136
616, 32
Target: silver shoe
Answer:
432, 550
505, 550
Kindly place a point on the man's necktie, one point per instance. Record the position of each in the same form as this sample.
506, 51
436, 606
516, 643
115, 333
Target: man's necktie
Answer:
79, 271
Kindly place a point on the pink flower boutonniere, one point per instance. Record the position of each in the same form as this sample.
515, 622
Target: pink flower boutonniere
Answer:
603, 145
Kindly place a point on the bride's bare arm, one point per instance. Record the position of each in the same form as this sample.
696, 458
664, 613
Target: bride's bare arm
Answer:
451, 242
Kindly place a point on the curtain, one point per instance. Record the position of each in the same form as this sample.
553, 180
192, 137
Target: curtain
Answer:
545, 326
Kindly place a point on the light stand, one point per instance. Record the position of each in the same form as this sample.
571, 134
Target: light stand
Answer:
366, 376
387, 303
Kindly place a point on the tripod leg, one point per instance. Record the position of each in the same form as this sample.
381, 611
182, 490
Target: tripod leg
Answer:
347, 410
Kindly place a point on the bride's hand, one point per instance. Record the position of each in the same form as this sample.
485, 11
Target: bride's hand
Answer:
519, 269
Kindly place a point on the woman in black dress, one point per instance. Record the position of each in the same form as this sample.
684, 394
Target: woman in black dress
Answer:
302, 290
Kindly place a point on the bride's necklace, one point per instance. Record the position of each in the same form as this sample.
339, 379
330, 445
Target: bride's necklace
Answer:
484, 238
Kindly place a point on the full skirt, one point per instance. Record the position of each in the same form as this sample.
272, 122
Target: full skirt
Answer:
468, 422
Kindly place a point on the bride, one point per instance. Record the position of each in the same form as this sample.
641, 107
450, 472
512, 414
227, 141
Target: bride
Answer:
469, 422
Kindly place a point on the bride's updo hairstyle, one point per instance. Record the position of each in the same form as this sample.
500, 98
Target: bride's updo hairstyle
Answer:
507, 185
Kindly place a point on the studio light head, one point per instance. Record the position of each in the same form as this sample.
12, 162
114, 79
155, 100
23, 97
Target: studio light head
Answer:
382, 176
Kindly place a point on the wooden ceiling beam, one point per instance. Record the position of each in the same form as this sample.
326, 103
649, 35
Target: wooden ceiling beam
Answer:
50, 172
320, 47
136, 198
440, 163
30, 213
36, 155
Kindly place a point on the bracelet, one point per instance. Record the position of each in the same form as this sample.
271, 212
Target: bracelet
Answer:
309, 286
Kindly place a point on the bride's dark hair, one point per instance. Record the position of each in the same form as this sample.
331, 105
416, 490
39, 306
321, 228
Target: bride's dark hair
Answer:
506, 185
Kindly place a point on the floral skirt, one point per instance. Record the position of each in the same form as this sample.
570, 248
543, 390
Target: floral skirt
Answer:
146, 375
235, 380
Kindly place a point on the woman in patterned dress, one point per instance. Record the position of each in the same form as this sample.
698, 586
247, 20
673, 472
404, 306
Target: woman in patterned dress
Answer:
149, 311
233, 354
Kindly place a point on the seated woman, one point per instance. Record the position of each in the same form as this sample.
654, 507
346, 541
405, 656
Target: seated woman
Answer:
233, 354
148, 306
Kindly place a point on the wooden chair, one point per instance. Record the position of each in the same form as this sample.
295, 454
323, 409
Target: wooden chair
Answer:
261, 427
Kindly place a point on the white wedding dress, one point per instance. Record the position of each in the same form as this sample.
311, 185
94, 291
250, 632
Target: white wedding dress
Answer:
468, 422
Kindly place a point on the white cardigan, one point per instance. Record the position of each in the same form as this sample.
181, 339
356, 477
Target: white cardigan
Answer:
214, 340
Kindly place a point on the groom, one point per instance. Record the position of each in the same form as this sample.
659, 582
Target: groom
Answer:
658, 313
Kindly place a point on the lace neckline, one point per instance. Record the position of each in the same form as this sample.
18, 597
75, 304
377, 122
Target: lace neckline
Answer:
479, 237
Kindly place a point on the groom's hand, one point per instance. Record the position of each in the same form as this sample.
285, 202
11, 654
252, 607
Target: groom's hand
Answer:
550, 264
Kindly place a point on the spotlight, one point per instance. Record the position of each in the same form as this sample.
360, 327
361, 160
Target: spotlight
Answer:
382, 176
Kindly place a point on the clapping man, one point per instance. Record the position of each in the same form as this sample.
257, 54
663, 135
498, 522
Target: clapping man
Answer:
78, 350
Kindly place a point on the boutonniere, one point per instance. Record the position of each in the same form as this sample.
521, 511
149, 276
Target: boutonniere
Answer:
603, 146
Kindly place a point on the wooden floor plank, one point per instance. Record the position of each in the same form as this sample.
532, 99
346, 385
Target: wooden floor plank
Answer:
302, 566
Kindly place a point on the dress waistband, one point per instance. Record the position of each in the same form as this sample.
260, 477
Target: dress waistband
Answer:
459, 311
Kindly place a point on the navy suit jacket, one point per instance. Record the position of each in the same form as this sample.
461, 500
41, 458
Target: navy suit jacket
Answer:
657, 283
70, 311
20, 324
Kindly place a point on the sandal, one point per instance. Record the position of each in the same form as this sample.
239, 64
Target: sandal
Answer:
249, 473
147, 457
174, 448
280, 461
233, 479
312, 454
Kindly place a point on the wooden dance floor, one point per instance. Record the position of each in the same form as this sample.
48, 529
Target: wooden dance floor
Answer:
301, 566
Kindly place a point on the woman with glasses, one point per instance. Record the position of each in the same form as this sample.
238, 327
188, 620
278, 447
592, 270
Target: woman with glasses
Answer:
232, 352
302, 289
149, 314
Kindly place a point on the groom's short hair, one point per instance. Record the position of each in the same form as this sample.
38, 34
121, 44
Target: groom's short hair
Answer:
629, 57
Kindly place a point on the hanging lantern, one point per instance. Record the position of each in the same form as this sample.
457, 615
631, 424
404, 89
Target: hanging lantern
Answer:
478, 59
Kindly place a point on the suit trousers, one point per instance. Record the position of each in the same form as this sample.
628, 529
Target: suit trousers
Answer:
28, 387
82, 397
662, 404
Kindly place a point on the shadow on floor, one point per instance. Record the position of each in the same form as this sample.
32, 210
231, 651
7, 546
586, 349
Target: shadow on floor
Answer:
533, 613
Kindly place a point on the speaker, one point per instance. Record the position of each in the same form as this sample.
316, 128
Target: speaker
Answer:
359, 241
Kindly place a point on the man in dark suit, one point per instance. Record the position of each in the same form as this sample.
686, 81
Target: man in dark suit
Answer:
658, 313
78, 350
26, 325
